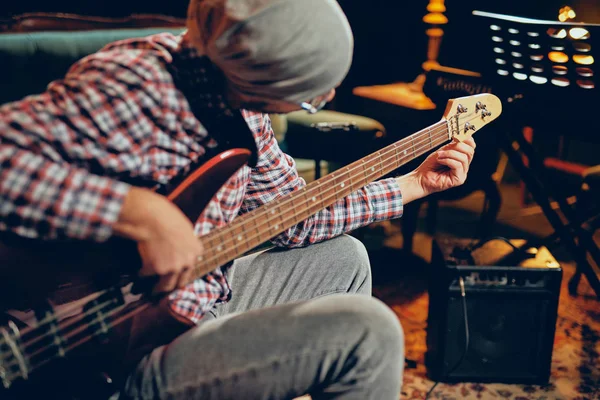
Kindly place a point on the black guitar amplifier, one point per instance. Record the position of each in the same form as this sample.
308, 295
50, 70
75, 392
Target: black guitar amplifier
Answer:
511, 298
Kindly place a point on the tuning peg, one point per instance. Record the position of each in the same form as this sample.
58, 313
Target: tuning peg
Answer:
469, 126
485, 113
480, 106
461, 109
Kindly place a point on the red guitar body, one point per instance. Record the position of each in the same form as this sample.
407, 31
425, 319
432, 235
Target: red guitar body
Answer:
35, 273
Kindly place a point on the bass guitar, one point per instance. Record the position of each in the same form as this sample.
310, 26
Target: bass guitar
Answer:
109, 329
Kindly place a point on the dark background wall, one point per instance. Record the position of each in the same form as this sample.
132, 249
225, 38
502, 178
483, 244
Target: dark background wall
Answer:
390, 37
389, 34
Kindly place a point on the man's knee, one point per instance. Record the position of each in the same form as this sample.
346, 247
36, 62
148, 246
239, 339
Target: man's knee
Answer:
381, 323
381, 335
352, 258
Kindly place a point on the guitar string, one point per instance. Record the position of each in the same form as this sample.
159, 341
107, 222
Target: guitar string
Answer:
51, 318
86, 338
63, 328
79, 318
72, 346
227, 240
426, 131
71, 334
392, 148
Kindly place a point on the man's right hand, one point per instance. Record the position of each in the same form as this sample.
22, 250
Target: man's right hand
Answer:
165, 236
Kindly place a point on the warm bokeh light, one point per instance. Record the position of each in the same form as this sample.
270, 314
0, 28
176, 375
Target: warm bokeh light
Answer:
582, 47
562, 82
435, 19
560, 69
579, 33
558, 57
436, 6
566, 13
537, 68
557, 34
540, 80
585, 84
584, 71
583, 59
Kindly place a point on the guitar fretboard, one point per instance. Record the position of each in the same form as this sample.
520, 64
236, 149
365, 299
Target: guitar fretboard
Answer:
254, 228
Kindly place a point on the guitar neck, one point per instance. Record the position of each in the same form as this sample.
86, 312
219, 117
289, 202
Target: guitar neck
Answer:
252, 229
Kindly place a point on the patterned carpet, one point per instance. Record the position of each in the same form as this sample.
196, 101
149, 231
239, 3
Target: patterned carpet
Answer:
575, 370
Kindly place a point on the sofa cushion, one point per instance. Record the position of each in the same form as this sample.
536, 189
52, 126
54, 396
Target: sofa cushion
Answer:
32, 60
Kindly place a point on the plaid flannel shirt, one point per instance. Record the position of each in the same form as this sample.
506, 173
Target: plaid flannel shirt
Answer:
70, 154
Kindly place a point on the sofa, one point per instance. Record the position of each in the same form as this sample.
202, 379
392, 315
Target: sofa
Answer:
32, 58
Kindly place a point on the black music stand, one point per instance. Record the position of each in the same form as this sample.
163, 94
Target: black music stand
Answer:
546, 74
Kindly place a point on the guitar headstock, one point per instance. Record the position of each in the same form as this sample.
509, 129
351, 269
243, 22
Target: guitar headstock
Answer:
466, 115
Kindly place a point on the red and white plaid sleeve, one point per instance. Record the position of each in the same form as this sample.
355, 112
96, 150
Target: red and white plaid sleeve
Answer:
40, 198
276, 175
116, 113
61, 150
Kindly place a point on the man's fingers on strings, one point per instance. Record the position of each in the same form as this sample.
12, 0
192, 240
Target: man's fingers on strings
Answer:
455, 166
466, 149
456, 155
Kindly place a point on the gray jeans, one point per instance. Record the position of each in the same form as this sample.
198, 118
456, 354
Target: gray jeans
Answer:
301, 321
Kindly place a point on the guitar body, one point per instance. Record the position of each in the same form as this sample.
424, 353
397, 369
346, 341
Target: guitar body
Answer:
39, 275
98, 368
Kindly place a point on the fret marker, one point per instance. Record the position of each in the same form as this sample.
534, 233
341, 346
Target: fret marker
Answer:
372, 168
240, 238
273, 212
314, 199
219, 248
199, 258
342, 185
276, 226
404, 152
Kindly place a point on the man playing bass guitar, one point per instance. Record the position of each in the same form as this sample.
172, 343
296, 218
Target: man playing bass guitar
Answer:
79, 161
